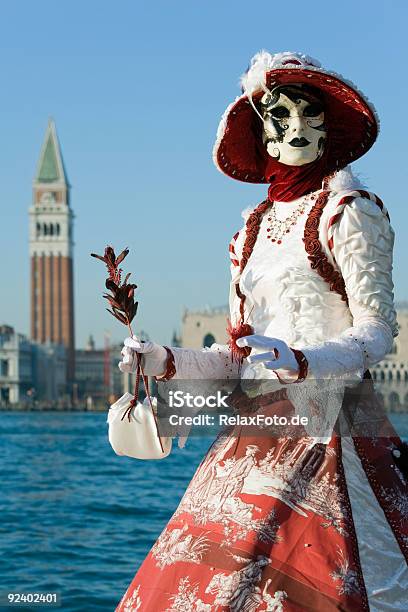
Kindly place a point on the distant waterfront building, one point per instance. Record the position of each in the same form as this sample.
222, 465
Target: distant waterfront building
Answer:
97, 374
392, 372
51, 253
30, 372
49, 367
15, 366
203, 327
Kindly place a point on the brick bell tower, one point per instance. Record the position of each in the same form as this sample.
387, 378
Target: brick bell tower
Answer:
51, 252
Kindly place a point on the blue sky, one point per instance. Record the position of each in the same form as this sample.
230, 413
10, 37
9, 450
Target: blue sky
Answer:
137, 90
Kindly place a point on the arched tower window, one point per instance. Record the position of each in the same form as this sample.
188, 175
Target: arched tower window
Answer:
45, 229
58, 229
38, 229
208, 340
51, 229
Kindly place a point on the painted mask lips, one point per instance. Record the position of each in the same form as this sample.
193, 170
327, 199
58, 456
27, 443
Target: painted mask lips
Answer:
299, 142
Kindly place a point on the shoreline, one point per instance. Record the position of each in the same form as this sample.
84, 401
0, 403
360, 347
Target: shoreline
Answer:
49, 409
72, 408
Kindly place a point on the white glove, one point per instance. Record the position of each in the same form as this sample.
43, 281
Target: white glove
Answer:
154, 357
278, 355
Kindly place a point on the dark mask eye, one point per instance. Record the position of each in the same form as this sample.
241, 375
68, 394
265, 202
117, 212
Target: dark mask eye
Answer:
313, 110
279, 112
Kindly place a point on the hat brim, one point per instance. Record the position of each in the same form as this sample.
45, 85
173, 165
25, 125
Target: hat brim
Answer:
352, 125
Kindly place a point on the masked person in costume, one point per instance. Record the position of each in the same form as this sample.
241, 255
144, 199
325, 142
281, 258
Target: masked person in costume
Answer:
311, 522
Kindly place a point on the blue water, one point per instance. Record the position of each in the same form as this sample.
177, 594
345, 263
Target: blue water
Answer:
74, 517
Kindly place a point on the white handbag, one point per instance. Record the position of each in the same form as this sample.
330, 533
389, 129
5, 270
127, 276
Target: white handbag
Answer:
133, 432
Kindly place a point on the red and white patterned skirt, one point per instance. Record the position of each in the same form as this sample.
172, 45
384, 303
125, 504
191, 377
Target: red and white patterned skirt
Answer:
268, 524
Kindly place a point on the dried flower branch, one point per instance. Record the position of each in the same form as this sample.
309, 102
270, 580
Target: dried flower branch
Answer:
121, 298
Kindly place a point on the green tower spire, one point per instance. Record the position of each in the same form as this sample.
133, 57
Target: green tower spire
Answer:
51, 166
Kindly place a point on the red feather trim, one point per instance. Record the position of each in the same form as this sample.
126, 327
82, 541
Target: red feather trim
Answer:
239, 331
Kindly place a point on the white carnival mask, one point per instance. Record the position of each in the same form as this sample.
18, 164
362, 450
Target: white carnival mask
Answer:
294, 131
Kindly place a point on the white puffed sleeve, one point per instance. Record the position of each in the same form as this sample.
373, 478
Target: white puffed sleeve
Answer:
363, 242
212, 362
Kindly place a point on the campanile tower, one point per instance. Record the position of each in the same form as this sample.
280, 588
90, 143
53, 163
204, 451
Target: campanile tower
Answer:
51, 252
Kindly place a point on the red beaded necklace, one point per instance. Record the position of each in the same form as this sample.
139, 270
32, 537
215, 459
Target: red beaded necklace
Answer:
278, 228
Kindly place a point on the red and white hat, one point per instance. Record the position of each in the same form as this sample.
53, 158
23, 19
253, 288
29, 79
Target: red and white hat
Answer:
352, 121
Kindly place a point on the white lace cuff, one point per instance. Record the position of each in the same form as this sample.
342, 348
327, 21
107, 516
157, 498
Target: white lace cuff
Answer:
349, 355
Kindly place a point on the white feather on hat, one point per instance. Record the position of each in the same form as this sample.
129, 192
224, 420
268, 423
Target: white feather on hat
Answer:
254, 78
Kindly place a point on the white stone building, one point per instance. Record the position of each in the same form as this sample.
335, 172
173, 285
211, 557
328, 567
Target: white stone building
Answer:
203, 327
392, 373
15, 366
